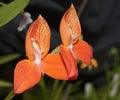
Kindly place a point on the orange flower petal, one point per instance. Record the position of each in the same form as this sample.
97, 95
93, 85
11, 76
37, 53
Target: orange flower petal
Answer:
40, 32
83, 51
54, 67
65, 33
69, 25
26, 75
70, 62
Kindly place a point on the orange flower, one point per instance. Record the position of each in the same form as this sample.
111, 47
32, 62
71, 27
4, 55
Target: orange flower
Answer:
73, 47
29, 71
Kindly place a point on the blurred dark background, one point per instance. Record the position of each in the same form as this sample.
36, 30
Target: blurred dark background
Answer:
100, 22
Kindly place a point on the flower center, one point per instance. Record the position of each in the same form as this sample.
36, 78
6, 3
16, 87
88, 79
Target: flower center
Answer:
37, 53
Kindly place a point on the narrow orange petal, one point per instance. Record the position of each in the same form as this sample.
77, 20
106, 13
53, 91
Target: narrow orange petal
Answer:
83, 51
69, 25
40, 32
26, 75
69, 61
54, 67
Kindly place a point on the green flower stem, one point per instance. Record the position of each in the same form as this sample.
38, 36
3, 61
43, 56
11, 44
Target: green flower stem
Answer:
10, 95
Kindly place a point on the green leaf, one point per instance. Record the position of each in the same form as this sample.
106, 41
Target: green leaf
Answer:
8, 58
11, 10
43, 89
42, 85
57, 89
5, 84
75, 86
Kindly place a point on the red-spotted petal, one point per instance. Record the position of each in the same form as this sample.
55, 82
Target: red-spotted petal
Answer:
54, 67
39, 32
26, 75
83, 51
69, 61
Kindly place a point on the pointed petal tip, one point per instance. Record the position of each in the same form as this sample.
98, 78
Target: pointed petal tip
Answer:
40, 16
72, 6
17, 91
